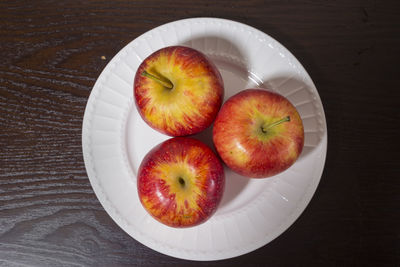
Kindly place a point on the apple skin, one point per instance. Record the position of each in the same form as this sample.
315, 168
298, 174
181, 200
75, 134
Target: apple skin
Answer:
181, 182
193, 102
246, 140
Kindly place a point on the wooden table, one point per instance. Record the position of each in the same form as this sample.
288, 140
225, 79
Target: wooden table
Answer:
53, 51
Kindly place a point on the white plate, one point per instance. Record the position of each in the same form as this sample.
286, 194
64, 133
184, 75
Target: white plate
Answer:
253, 212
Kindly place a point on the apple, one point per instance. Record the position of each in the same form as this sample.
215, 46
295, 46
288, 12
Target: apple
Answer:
258, 133
181, 182
178, 91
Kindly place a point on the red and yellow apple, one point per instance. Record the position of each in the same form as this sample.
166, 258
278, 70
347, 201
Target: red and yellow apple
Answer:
178, 91
258, 133
181, 182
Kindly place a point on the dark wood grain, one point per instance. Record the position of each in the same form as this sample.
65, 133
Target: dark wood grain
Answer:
51, 54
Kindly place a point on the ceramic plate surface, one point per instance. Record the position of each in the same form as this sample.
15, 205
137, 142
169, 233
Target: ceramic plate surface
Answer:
252, 212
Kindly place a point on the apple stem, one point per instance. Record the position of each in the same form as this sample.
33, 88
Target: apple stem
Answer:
181, 181
167, 84
265, 128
